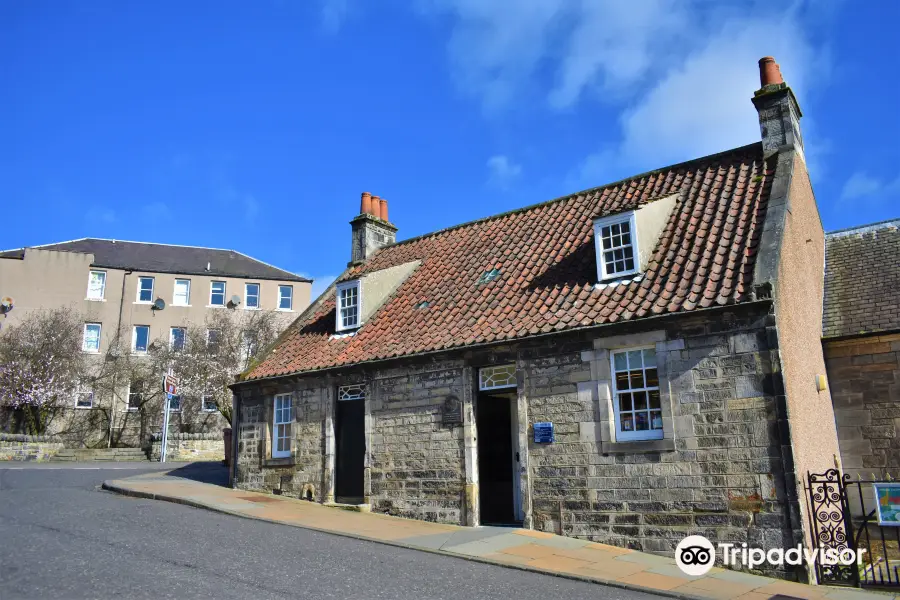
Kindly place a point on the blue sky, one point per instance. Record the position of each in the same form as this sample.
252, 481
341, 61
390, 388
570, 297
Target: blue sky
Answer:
256, 125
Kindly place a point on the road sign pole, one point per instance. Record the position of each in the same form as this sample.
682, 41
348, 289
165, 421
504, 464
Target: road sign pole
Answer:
165, 431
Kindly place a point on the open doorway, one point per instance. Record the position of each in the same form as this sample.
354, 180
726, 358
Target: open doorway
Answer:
350, 445
498, 457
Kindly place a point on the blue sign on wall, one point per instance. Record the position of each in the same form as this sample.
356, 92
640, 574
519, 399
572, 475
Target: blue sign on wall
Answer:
543, 433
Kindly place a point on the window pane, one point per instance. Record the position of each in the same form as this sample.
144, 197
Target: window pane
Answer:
640, 400
627, 422
656, 421
622, 381
625, 402
620, 359
625, 226
285, 294
145, 293
654, 398
634, 359
252, 295
650, 357
652, 378
182, 292
217, 293
637, 379
178, 338
642, 423
96, 284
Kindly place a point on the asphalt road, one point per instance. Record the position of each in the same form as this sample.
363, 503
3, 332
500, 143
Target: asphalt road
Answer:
62, 537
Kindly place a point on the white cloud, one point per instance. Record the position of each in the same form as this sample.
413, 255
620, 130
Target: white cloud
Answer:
861, 185
502, 171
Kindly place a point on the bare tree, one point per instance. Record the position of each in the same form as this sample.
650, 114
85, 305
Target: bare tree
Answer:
42, 366
207, 359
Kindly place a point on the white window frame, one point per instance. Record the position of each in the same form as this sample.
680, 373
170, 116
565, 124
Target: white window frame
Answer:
282, 424
224, 292
81, 392
187, 300
356, 391
599, 224
137, 299
84, 347
290, 297
128, 407
203, 408
486, 377
629, 436
247, 295
102, 296
339, 321
171, 399
172, 331
134, 338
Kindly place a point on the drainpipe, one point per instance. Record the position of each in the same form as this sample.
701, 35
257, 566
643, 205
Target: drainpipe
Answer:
112, 410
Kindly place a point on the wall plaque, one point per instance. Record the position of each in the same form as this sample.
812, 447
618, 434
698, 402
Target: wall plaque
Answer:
543, 433
452, 411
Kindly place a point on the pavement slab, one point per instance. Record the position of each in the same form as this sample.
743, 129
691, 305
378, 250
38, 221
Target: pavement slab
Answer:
515, 548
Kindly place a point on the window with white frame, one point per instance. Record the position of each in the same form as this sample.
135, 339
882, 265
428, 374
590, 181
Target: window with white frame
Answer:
177, 337
135, 395
182, 293
145, 290
140, 339
251, 295
348, 305
217, 293
209, 404
281, 426
175, 403
616, 244
96, 285
84, 398
285, 297
636, 400
493, 378
91, 341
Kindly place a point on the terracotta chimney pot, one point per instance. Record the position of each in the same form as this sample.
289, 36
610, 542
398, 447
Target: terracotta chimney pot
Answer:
384, 213
376, 207
769, 72
365, 204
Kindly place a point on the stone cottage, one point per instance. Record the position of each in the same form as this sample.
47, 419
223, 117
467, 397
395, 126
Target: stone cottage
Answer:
861, 338
627, 364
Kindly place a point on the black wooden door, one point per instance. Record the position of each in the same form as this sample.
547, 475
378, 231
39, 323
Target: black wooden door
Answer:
495, 472
351, 450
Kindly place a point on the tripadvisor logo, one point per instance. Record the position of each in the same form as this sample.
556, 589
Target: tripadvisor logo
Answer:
695, 556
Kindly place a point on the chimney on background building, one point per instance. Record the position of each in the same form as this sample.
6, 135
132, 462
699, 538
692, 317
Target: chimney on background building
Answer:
779, 112
370, 229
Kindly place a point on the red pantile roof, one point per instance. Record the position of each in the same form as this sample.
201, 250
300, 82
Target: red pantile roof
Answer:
548, 270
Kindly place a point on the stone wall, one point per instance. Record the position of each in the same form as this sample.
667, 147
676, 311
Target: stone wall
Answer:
864, 376
723, 469
28, 447
190, 447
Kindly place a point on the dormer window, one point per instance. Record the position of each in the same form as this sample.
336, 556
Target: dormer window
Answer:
615, 239
348, 305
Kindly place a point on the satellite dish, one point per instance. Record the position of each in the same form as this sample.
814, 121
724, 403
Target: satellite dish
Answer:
158, 304
6, 305
235, 300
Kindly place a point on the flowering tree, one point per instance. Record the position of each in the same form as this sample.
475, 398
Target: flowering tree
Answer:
41, 365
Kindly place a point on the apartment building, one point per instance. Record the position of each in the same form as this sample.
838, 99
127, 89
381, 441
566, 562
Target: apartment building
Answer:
148, 292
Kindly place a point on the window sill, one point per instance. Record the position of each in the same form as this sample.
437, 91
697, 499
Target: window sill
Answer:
91, 351
286, 461
638, 446
129, 410
215, 306
619, 280
344, 334
182, 305
84, 407
287, 310
96, 299
210, 411
142, 302
252, 308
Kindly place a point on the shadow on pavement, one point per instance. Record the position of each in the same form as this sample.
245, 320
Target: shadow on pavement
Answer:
214, 473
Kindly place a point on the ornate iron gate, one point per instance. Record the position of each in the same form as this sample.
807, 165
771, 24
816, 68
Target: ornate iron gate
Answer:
843, 516
831, 525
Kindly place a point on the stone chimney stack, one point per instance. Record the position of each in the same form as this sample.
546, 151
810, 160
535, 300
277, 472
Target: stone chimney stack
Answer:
370, 229
779, 112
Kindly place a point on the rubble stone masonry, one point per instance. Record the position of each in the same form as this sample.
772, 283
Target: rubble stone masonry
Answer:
723, 468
